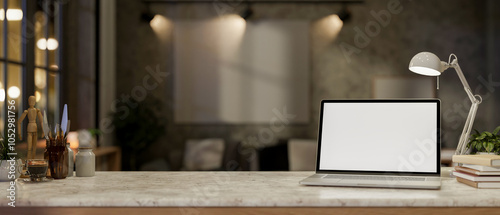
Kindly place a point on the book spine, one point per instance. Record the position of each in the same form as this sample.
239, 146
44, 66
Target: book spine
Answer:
471, 160
465, 181
482, 168
480, 185
466, 170
475, 178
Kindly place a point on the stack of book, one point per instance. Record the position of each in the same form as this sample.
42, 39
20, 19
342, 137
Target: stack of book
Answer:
479, 171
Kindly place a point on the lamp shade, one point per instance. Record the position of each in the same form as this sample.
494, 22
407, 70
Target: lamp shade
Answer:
426, 63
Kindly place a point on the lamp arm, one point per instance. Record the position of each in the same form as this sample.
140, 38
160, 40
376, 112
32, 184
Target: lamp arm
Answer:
460, 74
475, 99
462, 143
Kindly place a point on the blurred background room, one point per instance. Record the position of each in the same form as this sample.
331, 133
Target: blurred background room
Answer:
236, 85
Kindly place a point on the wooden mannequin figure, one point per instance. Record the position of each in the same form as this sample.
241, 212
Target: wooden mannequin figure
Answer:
32, 113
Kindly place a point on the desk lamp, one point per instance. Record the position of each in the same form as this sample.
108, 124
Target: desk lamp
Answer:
426, 63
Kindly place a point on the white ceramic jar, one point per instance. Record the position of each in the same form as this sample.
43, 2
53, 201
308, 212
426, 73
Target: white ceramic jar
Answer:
85, 162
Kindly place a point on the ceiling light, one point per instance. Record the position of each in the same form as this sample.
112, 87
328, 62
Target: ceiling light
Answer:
50, 44
14, 92
147, 16
344, 14
12, 14
247, 13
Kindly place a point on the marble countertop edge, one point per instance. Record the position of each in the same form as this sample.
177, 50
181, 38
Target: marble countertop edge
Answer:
233, 189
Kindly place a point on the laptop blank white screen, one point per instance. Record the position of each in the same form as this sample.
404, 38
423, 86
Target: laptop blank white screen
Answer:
386, 136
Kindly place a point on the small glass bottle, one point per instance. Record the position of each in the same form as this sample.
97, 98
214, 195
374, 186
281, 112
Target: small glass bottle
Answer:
85, 162
70, 160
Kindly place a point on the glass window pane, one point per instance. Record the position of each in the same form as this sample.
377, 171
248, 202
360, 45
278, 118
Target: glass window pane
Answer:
52, 42
2, 100
41, 91
14, 86
2, 15
14, 37
41, 82
53, 97
41, 42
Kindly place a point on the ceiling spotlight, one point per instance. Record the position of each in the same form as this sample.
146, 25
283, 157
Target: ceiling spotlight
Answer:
247, 13
147, 16
344, 14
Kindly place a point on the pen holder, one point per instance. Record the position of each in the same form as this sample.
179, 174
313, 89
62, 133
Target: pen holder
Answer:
58, 158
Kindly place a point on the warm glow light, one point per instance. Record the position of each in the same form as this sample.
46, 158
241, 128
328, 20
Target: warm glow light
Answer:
50, 44
330, 26
425, 71
55, 67
235, 22
73, 139
38, 96
41, 44
40, 78
162, 27
14, 92
2, 95
231, 29
12, 14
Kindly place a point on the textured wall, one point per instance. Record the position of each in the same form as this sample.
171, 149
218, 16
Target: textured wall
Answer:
79, 84
442, 27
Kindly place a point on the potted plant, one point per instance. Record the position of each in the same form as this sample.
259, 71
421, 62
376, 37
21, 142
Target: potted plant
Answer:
88, 137
95, 132
5, 164
138, 129
487, 142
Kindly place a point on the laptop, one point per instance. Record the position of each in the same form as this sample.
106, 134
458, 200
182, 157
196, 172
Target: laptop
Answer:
378, 143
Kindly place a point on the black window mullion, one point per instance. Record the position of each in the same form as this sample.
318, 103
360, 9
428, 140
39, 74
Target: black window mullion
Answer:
5, 29
46, 37
5, 75
28, 57
58, 28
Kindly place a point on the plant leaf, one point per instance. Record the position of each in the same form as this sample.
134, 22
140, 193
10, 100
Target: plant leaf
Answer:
489, 147
479, 146
497, 129
488, 134
485, 144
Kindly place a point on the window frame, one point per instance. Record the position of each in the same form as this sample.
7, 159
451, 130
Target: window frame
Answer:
27, 48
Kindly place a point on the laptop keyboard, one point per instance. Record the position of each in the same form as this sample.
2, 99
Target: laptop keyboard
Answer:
374, 177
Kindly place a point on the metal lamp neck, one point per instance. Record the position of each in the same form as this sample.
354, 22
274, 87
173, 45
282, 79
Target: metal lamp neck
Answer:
454, 64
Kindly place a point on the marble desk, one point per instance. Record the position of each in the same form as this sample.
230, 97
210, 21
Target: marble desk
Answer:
228, 192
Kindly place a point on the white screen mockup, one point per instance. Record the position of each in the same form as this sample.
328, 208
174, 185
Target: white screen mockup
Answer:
386, 136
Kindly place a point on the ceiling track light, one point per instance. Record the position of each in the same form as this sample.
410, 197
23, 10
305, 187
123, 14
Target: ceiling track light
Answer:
247, 13
147, 15
344, 14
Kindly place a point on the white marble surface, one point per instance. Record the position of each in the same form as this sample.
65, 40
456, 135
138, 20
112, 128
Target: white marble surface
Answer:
233, 189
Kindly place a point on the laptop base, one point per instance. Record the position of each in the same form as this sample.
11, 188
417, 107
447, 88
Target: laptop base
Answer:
320, 180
